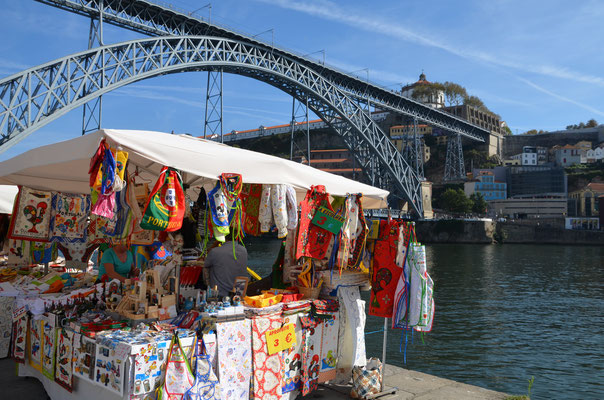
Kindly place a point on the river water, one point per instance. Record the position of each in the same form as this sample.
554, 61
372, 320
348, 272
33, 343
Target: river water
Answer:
503, 315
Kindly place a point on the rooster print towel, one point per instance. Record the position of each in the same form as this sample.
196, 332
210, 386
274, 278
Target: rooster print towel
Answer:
31, 215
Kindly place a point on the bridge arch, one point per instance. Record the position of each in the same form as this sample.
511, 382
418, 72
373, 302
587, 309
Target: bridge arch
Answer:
37, 96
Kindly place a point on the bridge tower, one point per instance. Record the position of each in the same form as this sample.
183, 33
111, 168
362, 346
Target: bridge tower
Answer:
92, 110
454, 165
412, 149
213, 116
299, 123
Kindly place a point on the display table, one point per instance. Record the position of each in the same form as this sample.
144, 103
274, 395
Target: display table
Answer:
82, 389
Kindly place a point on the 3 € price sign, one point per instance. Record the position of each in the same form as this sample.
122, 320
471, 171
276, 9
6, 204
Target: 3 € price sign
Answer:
280, 339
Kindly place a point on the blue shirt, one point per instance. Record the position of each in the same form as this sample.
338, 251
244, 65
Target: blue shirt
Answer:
122, 268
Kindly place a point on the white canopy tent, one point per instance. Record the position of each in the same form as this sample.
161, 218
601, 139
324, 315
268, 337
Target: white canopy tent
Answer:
64, 166
7, 198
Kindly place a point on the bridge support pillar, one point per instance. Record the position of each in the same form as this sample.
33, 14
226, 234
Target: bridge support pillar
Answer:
454, 165
92, 110
299, 115
213, 116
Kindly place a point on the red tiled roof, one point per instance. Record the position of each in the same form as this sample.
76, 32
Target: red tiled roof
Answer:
596, 187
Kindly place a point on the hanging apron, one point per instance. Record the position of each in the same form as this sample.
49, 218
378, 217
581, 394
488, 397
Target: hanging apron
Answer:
206, 385
313, 241
179, 377
386, 273
351, 335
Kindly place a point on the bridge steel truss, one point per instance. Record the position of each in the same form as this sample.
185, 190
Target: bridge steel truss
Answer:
153, 19
39, 95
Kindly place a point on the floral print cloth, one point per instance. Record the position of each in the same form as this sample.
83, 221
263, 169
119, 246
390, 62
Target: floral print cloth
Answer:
234, 358
250, 198
329, 347
313, 241
273, 209
31, 215
267, 368
311, 350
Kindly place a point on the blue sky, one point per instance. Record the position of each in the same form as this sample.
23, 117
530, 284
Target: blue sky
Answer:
538, 64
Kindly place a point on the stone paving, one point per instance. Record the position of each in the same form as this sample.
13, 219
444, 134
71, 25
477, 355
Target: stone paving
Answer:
409, 384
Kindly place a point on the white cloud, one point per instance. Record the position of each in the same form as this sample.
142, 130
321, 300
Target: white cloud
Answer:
331, 11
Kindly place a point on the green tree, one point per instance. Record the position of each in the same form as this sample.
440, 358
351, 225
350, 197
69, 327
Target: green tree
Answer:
426, 90
507, 130
454, 93
592, 123
479, 204
455, 201
474, 101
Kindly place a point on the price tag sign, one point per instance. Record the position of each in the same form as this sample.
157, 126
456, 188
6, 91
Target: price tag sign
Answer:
280, 339
328, 220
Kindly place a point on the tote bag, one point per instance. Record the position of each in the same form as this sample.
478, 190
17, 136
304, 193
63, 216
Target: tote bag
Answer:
165, 207
206, 385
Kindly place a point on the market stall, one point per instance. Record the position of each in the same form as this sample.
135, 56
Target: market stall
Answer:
131, 337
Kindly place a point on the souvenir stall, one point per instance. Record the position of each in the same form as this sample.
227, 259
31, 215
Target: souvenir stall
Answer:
118, 338
7, 197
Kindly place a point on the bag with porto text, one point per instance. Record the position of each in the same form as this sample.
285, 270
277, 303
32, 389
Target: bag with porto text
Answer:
165, 206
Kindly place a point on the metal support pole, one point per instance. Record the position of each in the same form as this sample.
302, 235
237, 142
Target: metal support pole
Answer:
92, 111
384, 345
214, 106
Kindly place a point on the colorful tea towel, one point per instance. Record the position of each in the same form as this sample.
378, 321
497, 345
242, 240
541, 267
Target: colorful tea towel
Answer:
292, 359
234, 358
351, 335
311, 349
49, 343
329, 347
19, 338
69, 217
18, 252
31, 215
267, 367
35, 343
42, 252
206, 386
64, 364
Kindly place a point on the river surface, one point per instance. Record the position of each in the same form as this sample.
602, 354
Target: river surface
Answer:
504, 314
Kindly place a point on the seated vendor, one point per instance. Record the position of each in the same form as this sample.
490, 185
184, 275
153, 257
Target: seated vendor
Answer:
224, 268
117, 263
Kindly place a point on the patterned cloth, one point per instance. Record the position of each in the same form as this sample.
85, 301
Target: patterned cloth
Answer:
35, 344
351, 335
313, 241
386, 273
329, 347
292, 208
69, 217
311, 349
64, 365
292, 359
6, 326
20, 332
366, 381
31, 215
234, 358
267, 368
250, 198
49, 342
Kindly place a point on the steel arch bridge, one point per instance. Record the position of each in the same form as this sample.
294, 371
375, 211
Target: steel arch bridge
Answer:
39, 95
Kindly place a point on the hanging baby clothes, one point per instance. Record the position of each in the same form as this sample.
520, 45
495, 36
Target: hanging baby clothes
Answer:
31, 215
234, 358
401, 294
250, 197
292, 208
386, 273
265, 212
351, 335
267, 368
69, 217
313, 241
279, 207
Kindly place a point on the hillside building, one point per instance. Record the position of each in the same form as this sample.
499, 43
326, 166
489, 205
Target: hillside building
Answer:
434, 100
